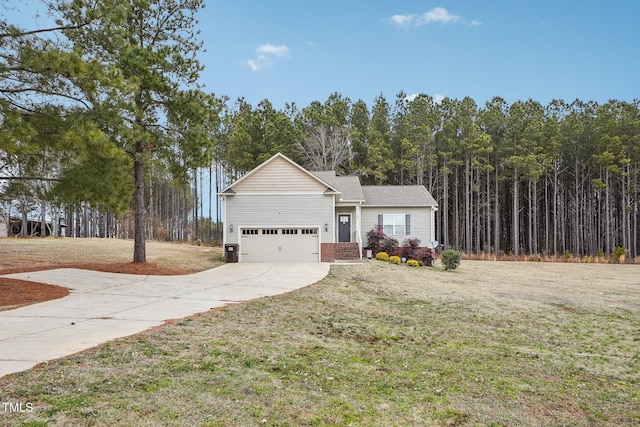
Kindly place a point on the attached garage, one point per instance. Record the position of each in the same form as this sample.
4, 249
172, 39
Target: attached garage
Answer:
290, 244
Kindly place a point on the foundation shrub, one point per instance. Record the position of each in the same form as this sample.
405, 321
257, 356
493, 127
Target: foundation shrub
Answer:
382, 256
410, 248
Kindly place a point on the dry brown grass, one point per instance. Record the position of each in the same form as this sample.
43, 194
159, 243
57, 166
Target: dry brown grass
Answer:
20, 254
568, 258
490, 343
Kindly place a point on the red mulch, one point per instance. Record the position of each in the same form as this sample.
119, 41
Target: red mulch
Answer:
16, 293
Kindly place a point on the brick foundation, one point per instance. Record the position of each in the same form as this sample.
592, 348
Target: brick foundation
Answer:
327, 252
331, 252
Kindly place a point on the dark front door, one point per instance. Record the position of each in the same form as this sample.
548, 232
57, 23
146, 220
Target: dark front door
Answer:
344, 228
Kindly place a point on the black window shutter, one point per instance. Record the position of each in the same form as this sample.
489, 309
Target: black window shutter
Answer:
380, 225
407, 224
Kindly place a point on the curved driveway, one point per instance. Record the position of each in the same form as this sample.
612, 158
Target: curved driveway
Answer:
104, 306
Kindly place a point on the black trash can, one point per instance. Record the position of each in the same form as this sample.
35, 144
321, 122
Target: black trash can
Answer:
231, 252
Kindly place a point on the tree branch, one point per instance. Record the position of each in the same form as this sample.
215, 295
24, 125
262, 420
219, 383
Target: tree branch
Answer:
19, 34
28, 178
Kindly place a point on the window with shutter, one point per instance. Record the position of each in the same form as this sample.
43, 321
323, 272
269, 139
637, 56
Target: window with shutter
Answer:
395, 224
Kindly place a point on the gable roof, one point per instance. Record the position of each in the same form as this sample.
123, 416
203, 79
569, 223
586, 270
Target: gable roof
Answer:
348, 186
397, 195
278, 158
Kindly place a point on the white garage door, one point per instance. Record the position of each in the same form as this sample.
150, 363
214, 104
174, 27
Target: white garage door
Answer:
279, 244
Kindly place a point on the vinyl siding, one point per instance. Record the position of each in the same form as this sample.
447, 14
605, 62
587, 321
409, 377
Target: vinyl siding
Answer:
282, 210
420, 223
279, 176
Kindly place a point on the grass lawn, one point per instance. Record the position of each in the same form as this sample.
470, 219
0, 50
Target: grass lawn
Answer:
37, 253
491, 343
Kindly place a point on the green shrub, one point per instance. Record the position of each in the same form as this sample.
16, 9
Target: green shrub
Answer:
618, 253
395, 259
450, 259
413, 263
382, 256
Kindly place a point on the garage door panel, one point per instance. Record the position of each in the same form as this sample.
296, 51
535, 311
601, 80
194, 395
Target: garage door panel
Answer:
282, 244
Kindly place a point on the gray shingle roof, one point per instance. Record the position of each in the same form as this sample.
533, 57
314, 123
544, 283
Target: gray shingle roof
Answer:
397, 195
349, 186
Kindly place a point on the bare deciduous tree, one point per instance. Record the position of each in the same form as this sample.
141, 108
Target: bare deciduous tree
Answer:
326, 147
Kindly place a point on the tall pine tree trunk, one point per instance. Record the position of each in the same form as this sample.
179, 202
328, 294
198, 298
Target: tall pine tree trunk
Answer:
608, 221
555, 209
530, 217
536, 225
488, 212
139, 247
445, 211
515, 236
496, 214
467, 205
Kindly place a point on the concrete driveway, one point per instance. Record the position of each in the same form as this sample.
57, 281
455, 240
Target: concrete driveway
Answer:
104, 306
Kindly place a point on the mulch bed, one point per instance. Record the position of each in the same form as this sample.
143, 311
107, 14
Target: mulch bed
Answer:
16, 293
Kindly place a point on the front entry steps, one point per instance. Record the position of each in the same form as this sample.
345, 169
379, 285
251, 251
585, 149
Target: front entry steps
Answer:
347, 252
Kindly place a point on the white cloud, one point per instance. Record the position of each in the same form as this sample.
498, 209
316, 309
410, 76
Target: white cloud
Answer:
259, 63
266, 54
403, 21
438, 14
437, 99
269, 49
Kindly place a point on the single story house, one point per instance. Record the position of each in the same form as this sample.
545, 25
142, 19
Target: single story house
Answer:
280, 211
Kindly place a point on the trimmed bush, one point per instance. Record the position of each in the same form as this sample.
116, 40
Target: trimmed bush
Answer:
395, 259
378, 241
450, 259
413, 263
389, 245
411, 248
375, 239
382, 256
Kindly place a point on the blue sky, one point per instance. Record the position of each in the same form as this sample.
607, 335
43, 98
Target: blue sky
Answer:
293, 51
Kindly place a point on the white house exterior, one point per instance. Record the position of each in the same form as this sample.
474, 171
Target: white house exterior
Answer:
281, 212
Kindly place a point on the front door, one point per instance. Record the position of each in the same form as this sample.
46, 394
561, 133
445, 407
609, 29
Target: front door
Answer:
344, 227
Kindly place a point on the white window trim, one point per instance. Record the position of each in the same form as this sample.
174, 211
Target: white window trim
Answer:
394, 224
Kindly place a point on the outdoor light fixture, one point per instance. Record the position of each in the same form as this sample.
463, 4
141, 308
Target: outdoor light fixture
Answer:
231, 227
326, 227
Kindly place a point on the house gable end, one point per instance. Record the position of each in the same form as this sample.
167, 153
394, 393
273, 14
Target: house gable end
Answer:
279, 175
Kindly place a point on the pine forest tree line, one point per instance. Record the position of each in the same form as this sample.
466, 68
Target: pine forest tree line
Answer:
520, 178
104, 129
